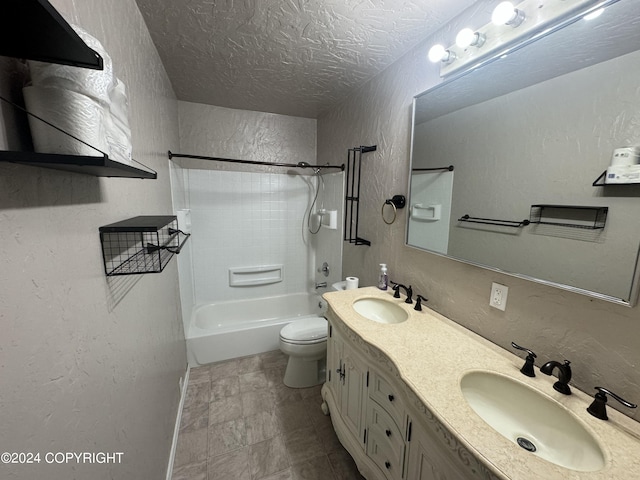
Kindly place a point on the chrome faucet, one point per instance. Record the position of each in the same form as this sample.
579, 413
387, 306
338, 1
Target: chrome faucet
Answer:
321, 285
408, 290
564, 375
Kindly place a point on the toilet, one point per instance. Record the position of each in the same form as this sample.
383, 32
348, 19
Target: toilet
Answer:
305, 342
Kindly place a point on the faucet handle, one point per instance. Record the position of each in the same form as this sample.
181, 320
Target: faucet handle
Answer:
599, 406
419, 300
395, 288
527, 368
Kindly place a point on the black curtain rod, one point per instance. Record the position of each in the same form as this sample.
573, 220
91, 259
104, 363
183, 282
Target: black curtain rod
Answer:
253, 162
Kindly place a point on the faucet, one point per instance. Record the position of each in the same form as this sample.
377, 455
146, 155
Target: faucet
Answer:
527, 368
599, 406
564, 375
321, 285
408, 290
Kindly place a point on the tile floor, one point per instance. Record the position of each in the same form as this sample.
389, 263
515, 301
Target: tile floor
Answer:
240, 422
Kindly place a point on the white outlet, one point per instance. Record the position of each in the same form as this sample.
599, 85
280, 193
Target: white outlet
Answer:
498, 298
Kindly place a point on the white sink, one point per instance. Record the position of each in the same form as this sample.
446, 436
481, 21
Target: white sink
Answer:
532, 420
379, 310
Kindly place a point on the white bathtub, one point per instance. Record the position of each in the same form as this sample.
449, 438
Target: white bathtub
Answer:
223, 330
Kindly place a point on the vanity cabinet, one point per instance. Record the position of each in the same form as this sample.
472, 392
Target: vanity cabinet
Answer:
385, 427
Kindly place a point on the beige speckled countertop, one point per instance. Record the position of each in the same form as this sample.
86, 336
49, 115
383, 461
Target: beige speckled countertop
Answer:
432, 353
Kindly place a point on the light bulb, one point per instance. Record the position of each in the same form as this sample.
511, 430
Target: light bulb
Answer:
467, 37
506, 14
437, 53
594, 14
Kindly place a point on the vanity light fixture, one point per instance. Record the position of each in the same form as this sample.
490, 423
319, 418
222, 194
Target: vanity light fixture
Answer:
525, 21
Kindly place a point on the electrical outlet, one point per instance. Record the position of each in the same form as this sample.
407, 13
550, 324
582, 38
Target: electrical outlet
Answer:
498, 298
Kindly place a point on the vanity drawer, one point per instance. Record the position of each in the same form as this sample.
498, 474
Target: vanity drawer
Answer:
387, 397
385, 442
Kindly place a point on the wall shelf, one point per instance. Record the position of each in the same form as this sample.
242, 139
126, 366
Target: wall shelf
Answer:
34, 30
143, 244
97, 166
352, 194
573, 216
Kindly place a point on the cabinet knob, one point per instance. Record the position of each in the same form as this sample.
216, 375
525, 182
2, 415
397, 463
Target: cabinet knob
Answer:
388, 432
387, 464
391, 397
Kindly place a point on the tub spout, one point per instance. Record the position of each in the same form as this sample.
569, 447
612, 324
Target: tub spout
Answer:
321, 285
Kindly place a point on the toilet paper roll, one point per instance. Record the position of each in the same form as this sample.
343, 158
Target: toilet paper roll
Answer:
352, 283
74, 113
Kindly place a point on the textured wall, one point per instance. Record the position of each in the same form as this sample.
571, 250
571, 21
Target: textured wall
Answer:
90, 365
601, 339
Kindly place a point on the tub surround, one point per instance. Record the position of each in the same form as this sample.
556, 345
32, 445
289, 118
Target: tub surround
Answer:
224, 330
431, 354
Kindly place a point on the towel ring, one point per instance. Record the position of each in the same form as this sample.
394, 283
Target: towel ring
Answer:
395, 211
398, 201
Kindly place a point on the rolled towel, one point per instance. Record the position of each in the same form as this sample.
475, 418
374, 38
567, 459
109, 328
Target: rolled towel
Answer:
76, 114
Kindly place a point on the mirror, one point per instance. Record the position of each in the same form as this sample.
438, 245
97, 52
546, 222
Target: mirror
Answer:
527, 136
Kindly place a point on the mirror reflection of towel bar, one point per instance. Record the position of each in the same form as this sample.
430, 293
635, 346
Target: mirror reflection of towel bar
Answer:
492, 221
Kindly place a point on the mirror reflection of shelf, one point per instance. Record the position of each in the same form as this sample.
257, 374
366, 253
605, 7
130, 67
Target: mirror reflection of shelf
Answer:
573, 216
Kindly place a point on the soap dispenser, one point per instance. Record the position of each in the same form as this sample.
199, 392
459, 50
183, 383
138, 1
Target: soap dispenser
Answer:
383, 283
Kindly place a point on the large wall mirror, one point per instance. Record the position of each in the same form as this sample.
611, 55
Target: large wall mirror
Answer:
527, 136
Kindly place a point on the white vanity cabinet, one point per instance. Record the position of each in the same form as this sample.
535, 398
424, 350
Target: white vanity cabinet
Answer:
381, 422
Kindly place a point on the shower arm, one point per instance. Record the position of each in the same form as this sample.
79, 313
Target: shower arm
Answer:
254, 162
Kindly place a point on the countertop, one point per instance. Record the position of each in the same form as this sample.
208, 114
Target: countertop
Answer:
432, 353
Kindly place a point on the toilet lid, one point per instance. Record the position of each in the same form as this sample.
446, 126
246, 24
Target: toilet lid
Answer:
307, 330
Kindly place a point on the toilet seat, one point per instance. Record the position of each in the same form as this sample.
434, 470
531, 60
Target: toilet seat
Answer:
307, 331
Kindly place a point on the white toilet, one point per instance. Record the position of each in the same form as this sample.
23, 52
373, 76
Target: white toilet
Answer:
305, 341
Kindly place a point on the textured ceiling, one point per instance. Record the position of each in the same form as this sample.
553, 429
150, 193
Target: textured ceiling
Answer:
293, 57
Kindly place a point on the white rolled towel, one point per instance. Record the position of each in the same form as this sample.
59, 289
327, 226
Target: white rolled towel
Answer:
96, 84
76, 114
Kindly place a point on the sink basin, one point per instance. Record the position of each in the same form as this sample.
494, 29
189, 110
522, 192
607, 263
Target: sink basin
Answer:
532, 420
379, 310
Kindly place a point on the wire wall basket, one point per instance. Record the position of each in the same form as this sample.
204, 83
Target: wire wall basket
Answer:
142, 244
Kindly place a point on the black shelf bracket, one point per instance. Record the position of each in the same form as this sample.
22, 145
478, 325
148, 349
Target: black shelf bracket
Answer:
352, 195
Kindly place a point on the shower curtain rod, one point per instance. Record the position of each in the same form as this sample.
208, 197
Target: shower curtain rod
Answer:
254, 162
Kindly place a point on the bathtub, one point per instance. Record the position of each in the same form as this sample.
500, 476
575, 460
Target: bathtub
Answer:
223, 330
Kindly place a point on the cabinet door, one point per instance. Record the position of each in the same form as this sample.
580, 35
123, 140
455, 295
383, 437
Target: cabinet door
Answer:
353, 392
428, 459
334, 361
